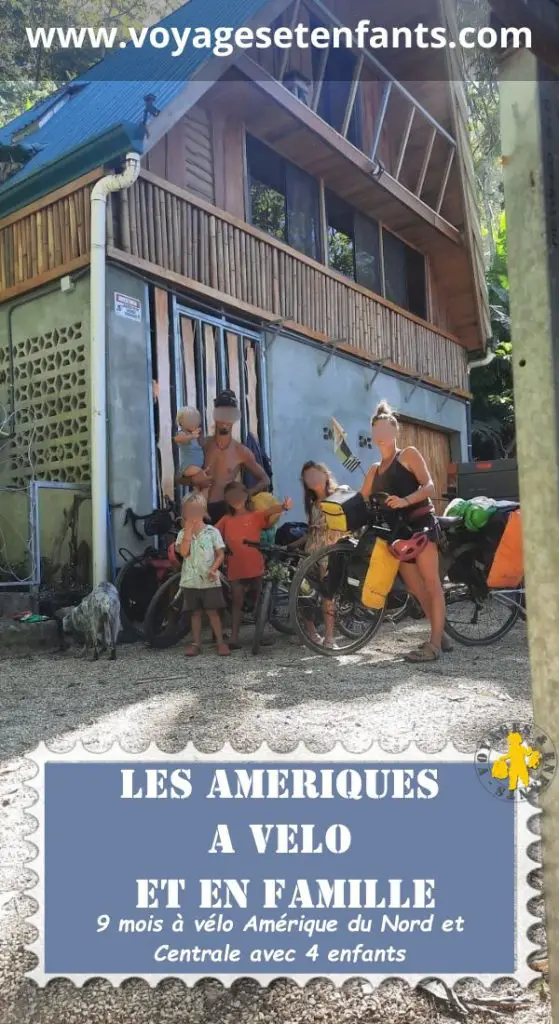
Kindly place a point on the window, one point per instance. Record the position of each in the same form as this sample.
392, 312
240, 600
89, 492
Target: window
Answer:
49, 112
335, 91
284, 203
353, 243
266, 177
341, 242
283, 199
404, 275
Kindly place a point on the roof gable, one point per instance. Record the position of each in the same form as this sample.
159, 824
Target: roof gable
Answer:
113, 94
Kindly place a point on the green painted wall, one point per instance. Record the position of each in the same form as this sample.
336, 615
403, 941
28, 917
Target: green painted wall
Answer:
44, 411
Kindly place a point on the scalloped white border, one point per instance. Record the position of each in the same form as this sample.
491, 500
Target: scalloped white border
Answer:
524, 919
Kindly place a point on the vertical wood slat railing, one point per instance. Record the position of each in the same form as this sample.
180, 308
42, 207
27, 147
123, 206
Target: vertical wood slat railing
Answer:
176, 231
53, 235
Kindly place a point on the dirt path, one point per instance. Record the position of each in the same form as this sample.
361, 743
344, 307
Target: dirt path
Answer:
284, 696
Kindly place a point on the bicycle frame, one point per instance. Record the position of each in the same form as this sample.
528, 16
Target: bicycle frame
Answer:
515, 598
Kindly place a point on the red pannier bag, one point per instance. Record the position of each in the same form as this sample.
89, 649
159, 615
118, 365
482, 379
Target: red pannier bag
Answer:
507, 567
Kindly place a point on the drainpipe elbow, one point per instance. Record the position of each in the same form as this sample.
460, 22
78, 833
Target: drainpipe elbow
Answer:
116, 182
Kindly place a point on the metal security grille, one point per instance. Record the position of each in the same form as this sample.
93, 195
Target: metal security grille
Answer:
212, 354
49, 418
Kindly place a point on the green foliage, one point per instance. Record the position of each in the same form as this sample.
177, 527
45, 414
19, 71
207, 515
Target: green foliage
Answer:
268, 210
340, 252
493, 423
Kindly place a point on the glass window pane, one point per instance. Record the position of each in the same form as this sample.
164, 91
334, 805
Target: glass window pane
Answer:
341, 239
266, 180
267, 210
417, 288
340, 69
395, 270
367, 253
303, 212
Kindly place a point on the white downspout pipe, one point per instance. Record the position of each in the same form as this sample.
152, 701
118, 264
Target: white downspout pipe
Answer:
482, 362
98, 362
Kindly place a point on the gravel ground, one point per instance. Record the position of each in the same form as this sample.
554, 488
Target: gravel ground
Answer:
284, 696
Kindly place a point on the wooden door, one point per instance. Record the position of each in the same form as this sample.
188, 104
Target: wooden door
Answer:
434, 445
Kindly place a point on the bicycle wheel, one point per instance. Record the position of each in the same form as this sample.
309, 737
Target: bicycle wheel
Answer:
166, 622
476, 621
137, 582
262, 615
324, 603
280, 617
397, 605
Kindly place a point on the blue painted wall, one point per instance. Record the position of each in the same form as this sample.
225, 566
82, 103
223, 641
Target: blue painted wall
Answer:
301, 402
129, 386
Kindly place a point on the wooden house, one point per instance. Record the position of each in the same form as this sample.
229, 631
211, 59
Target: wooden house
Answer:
303, 230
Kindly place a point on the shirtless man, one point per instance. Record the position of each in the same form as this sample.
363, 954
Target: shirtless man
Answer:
225, 459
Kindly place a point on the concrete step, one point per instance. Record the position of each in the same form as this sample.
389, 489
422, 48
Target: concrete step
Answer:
27, 637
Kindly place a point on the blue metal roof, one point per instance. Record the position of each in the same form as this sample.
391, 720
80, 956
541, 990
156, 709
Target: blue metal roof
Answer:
115, 90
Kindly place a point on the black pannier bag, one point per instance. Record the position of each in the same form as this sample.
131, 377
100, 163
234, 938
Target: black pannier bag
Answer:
359, 562
288, 533
490, 537
159, 523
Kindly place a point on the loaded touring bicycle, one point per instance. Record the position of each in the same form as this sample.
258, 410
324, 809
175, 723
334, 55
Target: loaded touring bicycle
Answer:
339, 595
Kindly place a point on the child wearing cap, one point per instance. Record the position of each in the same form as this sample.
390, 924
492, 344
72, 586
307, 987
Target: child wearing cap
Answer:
191, 453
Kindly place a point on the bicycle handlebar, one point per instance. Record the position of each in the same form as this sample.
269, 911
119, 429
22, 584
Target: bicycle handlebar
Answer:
270, 549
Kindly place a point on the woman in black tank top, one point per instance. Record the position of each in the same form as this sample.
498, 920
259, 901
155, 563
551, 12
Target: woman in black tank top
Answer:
405, 477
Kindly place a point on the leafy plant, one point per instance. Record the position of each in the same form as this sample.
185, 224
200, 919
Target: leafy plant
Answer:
493, 422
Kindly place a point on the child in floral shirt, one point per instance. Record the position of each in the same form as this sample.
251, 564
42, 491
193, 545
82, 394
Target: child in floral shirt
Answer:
203, 550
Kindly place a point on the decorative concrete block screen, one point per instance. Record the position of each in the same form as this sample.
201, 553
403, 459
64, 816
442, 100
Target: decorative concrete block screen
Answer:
50, 418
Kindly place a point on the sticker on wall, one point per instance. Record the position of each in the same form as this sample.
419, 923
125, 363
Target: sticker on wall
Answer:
128, 307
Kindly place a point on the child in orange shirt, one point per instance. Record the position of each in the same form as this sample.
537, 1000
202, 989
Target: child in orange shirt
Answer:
245, 565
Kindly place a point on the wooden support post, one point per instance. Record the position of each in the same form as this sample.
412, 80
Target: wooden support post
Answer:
530, 144
285, 56
425, 165
319, 82
380, 120
404, 144
325, 248
352, 94
446, 176
165, 441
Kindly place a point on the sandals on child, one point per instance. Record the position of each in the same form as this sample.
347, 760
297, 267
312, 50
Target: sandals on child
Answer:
192, 650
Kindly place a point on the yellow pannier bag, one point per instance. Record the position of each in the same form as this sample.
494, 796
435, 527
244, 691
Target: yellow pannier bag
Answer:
345, 511
382, 571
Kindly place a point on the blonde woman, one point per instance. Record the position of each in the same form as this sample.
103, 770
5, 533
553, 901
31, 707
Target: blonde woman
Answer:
404, 475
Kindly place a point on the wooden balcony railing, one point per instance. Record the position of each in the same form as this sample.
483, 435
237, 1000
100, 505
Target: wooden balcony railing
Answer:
46, 240
161, 227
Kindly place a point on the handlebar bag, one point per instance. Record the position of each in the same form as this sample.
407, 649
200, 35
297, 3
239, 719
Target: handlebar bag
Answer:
382, 571
507, 568
345, 511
